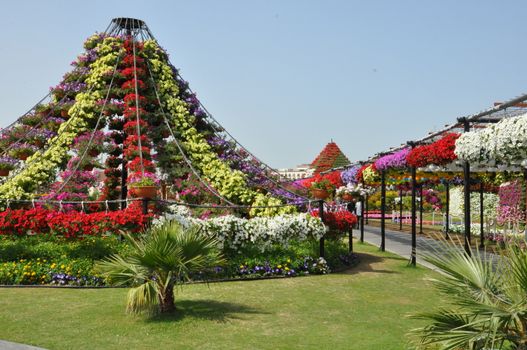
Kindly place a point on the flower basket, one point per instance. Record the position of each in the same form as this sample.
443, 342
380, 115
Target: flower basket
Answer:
93, 152
347, 197
4, 172
145, 191
64, 114
319, 193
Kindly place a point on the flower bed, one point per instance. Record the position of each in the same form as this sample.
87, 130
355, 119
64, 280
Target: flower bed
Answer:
70, 224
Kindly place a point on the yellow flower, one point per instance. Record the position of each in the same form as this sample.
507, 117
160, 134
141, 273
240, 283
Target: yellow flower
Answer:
288, 260
62, 266
279, 266
287, 268
33, 273
53, 265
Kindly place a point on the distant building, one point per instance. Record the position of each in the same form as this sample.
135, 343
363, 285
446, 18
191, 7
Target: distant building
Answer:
330, 157
300, 172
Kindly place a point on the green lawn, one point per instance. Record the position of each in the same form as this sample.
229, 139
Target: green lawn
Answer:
362, 308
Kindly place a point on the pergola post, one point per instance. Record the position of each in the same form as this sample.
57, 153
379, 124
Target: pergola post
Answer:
466, 187
401, 209
383, 210
321, 214
362, 219
414, 212
421, 209
481, 218
447, 209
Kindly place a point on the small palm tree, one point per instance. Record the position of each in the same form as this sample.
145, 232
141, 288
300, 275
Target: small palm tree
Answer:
162, 258
487, 297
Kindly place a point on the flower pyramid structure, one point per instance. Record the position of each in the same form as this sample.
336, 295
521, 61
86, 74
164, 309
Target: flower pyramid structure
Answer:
124, 109
330, 157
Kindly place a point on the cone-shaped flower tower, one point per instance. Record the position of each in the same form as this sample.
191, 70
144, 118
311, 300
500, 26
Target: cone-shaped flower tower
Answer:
122, 119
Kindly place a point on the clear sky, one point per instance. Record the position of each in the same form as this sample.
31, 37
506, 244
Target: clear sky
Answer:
284, 76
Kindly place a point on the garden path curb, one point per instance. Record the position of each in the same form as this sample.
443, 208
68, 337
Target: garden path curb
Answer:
6, 345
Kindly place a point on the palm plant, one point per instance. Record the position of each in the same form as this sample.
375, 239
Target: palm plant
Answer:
162, 258
487, 301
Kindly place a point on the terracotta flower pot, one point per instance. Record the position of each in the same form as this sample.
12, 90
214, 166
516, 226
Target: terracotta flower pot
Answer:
93, 152
88, 167
347, 197
23, 156
64, 113
4, 172
39, 143
145, 191
319, 193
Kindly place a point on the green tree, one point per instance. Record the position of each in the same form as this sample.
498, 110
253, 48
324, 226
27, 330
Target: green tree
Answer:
487, 301
162, 258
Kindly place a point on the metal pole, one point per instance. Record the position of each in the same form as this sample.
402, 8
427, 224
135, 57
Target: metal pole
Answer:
525, 180
421, 209
145, 206
466, 186
447, 209
401, 209
350, 236
362, 219
366, 210
321, 214
383, 210
481, 233
414, 228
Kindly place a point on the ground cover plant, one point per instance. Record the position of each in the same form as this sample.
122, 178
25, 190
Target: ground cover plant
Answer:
362, 308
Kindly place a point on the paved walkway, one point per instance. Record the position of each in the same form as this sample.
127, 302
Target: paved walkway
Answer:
5, 345
400, 243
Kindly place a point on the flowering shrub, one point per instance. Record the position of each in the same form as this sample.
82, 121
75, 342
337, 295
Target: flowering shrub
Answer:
349, 175
263, 232
509, 210
500, 143
440, 152
70, 224
370, 174
341, 220
396, 160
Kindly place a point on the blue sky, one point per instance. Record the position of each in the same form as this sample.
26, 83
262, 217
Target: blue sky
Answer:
284, 76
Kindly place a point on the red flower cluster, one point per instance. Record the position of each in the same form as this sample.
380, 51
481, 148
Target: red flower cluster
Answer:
130, 73
70, 224
131, 99
440, 152
333, 177
129, 85
340, 220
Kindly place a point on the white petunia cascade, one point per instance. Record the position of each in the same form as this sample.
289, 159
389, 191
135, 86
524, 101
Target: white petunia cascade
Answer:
503, 143
234, 232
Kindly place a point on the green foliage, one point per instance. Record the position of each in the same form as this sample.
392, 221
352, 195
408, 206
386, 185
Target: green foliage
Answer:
488, 308
165, 256
53, 247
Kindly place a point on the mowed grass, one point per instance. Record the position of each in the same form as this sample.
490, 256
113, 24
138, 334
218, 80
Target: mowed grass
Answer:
363, 308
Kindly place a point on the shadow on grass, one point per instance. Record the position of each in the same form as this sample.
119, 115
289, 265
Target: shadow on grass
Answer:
372, 263
211, 310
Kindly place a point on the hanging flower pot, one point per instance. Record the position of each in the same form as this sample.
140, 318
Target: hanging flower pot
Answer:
319, 193
4, 172
145, 192
64, 113
94, 152
165, 133
23, 156
347, 197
